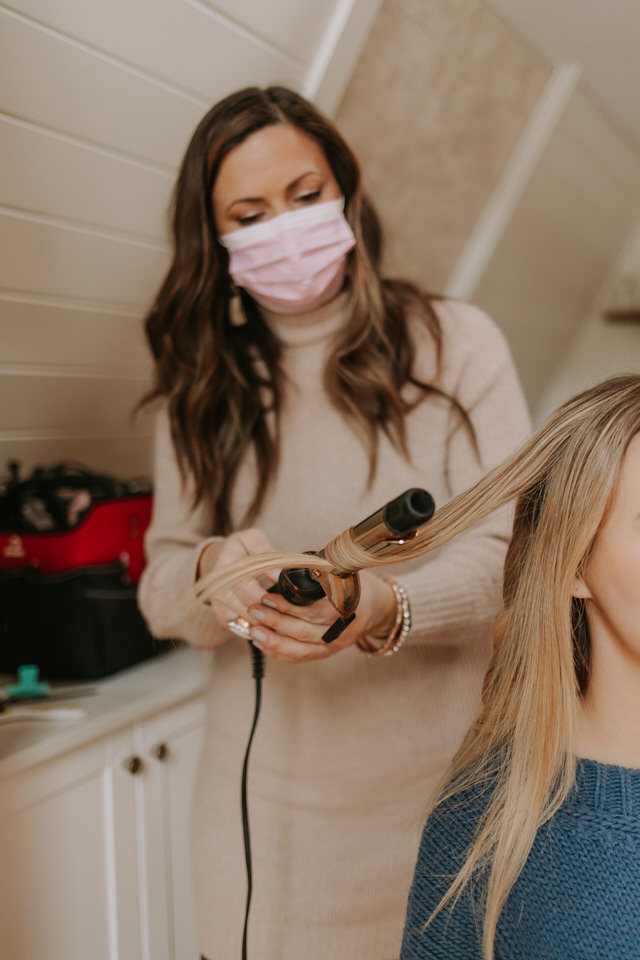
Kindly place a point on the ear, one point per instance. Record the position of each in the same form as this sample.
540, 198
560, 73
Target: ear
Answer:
580, 589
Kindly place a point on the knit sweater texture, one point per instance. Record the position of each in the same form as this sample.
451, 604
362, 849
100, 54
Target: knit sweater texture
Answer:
577, 898
348, 748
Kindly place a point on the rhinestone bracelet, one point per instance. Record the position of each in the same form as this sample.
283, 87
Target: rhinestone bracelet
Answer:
376, 646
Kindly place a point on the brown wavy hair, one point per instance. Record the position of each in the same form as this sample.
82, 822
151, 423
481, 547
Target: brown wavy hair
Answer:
206, 369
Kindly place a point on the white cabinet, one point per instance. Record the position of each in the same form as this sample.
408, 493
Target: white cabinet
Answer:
57, 868
94, 847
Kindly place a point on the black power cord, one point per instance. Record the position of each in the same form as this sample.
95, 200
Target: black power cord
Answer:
399, 517
258, 673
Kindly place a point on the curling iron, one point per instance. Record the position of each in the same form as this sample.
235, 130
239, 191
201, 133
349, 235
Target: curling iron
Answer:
394, 523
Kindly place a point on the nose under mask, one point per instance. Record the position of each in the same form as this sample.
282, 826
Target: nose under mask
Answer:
295, 261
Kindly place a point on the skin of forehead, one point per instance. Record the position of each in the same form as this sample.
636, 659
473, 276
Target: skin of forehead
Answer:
265, 164
626, 499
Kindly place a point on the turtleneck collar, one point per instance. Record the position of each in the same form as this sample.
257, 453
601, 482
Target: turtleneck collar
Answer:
314, 326
609, 789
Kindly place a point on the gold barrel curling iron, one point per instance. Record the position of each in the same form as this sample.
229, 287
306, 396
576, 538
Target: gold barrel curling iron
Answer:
333, 571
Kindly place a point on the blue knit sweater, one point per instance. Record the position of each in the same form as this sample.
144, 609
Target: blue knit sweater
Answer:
577, 898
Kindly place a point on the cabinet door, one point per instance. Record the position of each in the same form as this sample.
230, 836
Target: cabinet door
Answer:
187, 727
169, 745
58, 879
94, 848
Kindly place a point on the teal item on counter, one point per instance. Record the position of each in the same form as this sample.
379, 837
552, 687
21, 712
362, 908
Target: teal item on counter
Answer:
28, 684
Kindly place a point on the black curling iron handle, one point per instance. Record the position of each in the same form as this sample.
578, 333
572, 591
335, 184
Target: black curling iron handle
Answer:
298, 586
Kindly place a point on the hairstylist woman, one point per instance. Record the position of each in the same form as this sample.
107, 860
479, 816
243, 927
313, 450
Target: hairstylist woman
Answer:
533, 850
299, 391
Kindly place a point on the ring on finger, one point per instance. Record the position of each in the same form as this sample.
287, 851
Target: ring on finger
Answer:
240, 627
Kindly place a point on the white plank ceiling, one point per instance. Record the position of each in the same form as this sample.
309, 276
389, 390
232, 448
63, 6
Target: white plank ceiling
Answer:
98, 101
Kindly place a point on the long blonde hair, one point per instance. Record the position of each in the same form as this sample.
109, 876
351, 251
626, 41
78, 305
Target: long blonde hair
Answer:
563, 480
567, 475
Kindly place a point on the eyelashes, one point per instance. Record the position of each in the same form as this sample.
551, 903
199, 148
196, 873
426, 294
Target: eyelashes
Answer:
308, 197
245, 221
304, 198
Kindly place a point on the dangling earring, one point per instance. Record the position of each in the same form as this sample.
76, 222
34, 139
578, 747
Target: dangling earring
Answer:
237, 316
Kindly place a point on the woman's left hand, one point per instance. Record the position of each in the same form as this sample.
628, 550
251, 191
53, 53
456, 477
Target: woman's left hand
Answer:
294, 634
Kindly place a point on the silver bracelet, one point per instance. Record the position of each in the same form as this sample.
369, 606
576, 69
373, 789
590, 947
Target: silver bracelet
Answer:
406, 619
399, 631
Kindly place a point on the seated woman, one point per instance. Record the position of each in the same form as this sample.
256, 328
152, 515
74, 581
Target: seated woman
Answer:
532, 848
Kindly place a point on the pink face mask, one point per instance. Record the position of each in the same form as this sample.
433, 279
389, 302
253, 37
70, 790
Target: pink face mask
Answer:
295, 261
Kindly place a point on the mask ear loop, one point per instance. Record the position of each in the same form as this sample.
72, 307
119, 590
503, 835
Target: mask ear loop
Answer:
237, 316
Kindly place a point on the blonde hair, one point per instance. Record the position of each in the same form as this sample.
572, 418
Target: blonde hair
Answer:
563, 480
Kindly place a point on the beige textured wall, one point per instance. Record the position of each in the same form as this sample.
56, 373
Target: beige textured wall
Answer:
600, 348
573, 217
435, 106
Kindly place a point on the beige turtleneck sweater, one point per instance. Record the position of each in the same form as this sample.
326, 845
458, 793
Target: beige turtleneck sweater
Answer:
347, 749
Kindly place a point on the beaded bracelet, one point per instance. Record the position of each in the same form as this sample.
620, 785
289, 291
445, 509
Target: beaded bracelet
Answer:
384, 647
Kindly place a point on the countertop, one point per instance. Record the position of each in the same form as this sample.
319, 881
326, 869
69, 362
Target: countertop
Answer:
117, 701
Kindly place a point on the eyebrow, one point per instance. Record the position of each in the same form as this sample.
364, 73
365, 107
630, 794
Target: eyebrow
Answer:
291, 186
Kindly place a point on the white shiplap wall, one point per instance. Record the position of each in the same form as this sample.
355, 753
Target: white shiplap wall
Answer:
99, 99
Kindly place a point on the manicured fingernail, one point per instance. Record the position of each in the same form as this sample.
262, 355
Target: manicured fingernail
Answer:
258, 637
275, 574
268, 603
258, 614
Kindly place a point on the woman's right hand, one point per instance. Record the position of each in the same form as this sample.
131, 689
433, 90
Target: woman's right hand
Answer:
218, 554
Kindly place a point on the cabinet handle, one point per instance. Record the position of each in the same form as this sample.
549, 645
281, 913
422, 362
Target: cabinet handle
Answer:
160, 751
133, 764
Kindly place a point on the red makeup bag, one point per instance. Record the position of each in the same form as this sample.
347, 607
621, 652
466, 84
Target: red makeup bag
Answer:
71, 554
